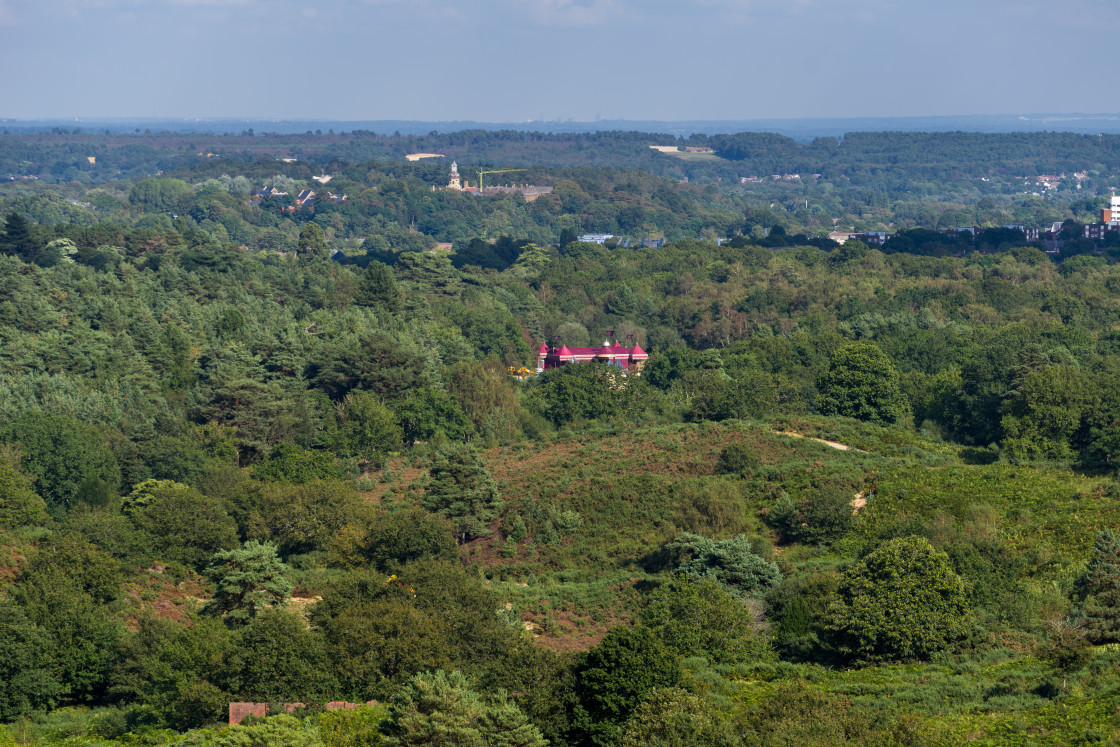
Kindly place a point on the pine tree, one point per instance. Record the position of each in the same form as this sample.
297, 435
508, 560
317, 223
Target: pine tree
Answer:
438, 708
462, 490
249, 579
1101, 583
377, 288
16, 238
313, 243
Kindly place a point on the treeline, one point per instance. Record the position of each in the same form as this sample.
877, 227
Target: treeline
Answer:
905, 162
392, 207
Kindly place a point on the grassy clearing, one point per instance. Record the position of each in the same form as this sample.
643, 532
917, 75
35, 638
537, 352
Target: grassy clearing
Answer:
1058, 508
600, 507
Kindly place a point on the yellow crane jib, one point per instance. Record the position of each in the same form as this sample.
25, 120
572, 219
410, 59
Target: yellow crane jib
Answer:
493, 171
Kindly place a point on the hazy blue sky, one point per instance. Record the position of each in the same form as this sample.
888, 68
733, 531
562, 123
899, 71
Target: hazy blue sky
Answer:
512, 60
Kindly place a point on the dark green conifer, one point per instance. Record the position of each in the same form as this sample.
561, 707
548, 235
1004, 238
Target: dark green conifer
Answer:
1102, 586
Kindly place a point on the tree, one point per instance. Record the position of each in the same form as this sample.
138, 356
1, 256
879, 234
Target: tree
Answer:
1101, 585
20, 505
298, 518
717, 396
377, 288
17, 239
290, 463
487, 397
613, 677
429, 614
84, 565
670, 365
493, 330
400, 537
278, 658
62, 452
233, 390
700, 618
386, 366
26, 680
280, 730
82, 635
462, 490
377, 645
821, 514
353, 727
173, 669
440, 709
1042, 412
738, 459
861, 383
582, 391
672, 717
182, 522
729, 562
903, 601
162, 195
1066, 650
249, 579
431, 411
58, 251
313, 243
366, 428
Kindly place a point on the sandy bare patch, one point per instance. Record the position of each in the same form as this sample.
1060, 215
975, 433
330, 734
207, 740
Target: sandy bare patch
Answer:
418, 156
858, 502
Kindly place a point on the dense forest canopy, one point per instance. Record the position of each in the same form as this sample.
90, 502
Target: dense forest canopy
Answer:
256, 451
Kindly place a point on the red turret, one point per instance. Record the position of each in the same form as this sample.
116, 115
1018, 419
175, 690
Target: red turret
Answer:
544, 349
564, 352
636, 353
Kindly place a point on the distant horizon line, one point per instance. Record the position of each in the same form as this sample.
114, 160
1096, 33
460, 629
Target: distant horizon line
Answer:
566, 120
802, 129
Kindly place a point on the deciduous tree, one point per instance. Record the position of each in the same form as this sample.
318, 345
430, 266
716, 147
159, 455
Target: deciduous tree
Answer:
902, 601
861, 383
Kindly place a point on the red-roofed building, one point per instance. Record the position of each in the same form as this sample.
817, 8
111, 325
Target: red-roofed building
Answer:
631, 360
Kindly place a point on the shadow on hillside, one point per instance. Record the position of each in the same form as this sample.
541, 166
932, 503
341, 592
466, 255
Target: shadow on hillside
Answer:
973, 455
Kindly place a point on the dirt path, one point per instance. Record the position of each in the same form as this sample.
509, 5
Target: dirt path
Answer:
833, 444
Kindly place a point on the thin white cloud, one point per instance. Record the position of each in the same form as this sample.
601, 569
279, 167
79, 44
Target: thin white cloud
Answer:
569, 12
746, 10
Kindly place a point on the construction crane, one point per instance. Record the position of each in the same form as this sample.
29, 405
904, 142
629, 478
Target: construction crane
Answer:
493, 171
